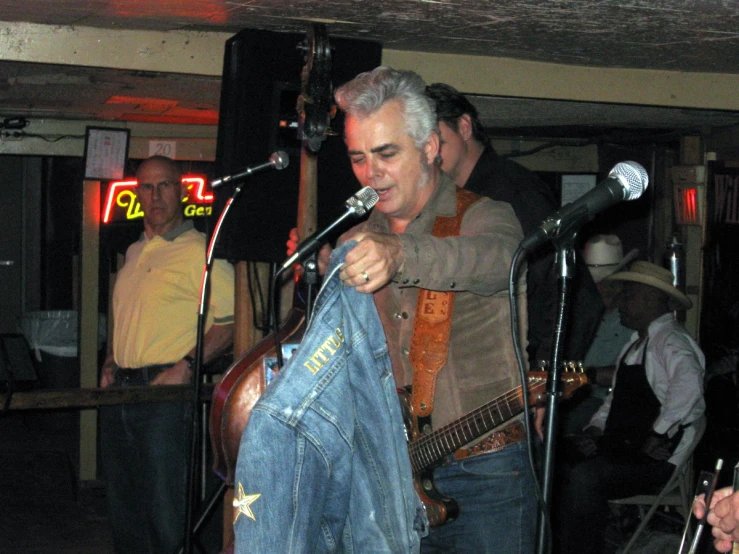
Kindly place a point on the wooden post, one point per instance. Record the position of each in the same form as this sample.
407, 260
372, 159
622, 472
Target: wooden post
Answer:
245, 336
692, 152
88, 322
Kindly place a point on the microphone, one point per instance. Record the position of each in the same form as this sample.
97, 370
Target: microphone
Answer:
626, 181
278, 160
356, 206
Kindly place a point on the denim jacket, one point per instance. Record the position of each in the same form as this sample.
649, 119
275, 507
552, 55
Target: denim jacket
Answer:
323, 462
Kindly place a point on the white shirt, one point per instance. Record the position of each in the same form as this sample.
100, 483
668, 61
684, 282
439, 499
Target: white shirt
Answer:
675, 367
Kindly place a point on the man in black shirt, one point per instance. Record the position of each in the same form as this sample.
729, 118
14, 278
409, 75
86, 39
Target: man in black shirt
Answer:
470, 160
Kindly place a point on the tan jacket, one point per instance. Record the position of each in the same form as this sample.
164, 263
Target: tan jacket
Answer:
481, 363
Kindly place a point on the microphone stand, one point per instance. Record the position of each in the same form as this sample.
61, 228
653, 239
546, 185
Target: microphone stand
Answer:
357, 205
310, 279
196, 377
565, 264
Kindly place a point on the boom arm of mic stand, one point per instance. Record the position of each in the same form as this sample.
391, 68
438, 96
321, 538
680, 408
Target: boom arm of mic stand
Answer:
313, 242
310, 278
196, 374
565, 264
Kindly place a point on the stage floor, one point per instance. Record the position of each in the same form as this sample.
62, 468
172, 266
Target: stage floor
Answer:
45, 511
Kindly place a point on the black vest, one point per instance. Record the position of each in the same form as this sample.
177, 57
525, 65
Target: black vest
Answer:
634, 406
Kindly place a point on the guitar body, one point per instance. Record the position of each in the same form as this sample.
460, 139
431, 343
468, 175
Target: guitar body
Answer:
236, 393
439, 508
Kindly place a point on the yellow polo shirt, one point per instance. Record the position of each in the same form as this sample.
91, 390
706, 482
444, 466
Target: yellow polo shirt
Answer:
157, 294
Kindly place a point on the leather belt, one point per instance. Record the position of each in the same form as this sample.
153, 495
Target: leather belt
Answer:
134, 375
495, 441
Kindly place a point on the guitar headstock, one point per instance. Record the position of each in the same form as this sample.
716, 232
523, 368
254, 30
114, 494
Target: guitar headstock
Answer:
572, 377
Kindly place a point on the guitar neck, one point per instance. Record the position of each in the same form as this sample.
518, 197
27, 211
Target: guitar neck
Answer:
429, 449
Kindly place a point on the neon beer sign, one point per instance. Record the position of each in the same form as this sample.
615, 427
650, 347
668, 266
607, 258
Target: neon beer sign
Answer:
122, 203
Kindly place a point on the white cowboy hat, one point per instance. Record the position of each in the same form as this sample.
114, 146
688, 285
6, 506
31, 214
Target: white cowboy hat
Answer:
604, 255
657, 277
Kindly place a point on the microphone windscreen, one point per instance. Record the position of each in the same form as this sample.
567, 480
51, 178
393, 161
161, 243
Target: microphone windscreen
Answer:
280, 159
633, 176
362, 201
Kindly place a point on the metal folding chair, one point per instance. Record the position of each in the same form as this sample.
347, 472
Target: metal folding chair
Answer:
677, 492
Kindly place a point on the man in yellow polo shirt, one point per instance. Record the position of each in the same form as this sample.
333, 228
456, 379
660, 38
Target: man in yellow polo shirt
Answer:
144, 447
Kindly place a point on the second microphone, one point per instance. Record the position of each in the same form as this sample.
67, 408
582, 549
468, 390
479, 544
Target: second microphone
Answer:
356, 206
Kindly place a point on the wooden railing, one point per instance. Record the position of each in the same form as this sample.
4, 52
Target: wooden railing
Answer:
87, 398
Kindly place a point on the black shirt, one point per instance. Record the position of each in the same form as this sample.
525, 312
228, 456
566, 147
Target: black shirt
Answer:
532, 201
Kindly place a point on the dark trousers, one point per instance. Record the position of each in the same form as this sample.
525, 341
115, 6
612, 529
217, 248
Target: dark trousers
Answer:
144, 451
584, 488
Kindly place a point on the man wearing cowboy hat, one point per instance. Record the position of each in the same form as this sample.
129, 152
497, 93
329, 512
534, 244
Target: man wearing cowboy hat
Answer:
603, 255
635, 440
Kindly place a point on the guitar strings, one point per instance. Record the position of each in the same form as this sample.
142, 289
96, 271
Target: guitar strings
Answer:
428, 448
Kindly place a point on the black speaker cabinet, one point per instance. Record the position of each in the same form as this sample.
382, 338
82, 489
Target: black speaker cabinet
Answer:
260, 87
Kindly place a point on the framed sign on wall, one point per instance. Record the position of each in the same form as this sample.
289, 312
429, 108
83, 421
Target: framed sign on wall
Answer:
106, 151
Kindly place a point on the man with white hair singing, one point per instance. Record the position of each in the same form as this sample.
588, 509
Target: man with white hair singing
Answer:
436, 259
393, 144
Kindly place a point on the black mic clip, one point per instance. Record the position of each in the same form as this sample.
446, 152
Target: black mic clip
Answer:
310, 270
556, 226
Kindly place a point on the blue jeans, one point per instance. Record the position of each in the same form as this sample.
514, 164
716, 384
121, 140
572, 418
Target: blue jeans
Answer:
497, 505
144, 450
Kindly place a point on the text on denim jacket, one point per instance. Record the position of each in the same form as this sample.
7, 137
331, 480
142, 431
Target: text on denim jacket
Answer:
323, 353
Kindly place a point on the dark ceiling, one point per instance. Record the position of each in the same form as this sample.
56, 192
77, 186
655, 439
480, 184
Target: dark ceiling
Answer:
674, 35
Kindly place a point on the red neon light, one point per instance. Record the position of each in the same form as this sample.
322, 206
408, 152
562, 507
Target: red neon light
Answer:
200, 195
114, 190
690, 205
196, 194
